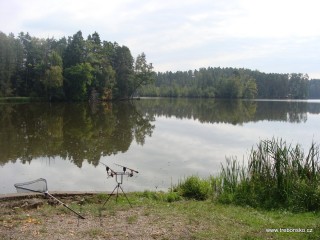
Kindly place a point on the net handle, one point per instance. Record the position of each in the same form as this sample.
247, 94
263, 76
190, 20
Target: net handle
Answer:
65, 205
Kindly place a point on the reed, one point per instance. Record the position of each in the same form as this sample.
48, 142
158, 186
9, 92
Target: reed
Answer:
277, 175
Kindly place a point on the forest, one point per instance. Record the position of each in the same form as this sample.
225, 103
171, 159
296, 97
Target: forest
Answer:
232, 83
69, 69
79, 69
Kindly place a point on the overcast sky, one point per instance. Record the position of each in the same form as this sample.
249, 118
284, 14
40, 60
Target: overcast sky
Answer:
281, 36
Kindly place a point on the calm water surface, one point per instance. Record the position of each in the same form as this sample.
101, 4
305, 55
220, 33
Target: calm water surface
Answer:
164, 139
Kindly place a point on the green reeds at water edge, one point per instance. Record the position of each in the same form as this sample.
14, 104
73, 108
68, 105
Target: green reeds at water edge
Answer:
277, 175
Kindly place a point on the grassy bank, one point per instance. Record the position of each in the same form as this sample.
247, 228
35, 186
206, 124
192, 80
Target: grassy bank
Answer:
154, 215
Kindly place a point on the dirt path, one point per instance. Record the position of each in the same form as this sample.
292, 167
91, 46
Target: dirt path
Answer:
33, 218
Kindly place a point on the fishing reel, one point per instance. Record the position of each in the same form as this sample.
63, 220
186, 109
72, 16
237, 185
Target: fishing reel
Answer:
109, 173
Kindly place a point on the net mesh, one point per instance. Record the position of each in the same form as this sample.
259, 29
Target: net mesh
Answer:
39, 185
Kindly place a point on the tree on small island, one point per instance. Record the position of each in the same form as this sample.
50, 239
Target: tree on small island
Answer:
72, 69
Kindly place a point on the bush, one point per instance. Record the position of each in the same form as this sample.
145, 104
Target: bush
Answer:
194, 188
172, 197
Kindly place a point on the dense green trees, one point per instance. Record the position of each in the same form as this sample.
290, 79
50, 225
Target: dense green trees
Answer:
143, 73
76, 69
124, 71
205, 82
78, 78
231, 83
11, 61
69, 69
314, 89
53, 78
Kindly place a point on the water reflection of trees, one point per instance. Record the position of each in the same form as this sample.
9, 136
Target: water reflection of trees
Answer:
206, 111
79, 132
229, 111
76, 132
286, 111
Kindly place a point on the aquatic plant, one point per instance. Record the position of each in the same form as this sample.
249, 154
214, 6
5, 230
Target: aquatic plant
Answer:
277, 175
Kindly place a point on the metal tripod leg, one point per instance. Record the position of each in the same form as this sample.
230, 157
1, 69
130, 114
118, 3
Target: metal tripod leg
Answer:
117, 187
117, 192
125, 195
109, 196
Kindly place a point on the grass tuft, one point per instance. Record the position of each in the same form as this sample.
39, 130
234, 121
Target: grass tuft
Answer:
194, 188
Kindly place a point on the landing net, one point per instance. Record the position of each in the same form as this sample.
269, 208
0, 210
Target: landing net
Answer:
39, 186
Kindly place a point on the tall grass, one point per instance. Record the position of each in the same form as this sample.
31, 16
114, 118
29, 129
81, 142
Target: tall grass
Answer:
277, 175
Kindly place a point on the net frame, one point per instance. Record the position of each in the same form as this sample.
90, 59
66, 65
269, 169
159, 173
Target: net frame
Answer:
37, 186
40, 186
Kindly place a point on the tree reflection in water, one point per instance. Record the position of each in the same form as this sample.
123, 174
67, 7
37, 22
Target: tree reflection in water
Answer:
73, 131
78, 131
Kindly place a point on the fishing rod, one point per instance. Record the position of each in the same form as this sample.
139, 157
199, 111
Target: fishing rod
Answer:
125, 169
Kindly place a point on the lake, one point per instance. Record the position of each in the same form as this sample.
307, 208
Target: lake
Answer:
166, 140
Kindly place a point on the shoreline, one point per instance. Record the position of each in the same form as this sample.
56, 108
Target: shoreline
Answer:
20, 196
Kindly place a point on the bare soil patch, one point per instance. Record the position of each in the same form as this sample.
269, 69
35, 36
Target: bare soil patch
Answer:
39, 218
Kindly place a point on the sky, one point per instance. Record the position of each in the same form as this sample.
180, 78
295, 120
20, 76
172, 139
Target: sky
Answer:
278, 36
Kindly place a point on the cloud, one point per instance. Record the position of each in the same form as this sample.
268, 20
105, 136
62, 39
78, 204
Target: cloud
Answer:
275, 19
180, 35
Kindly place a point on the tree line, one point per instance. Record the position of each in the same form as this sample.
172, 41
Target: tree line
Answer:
70, 68
79, 69
232, 83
